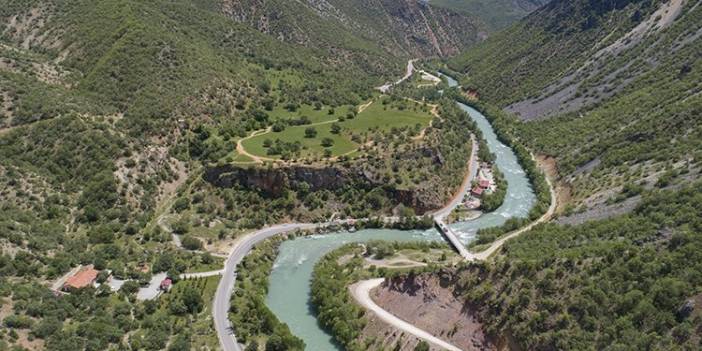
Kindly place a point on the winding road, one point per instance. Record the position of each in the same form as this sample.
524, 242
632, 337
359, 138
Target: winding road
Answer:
361, 290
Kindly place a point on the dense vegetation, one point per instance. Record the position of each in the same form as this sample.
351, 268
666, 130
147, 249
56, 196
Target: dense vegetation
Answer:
608, 77
95, 319
376, 181
546, 46
405, 28
110, 110
631, 282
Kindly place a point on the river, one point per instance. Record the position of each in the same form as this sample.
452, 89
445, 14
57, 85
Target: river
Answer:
289, 291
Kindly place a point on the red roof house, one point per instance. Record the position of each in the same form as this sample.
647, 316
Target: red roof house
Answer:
85, 277
484, 183
477, 191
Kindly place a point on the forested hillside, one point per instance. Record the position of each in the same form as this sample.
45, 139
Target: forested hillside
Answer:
611, 91
615, 87
110, 111
630, 283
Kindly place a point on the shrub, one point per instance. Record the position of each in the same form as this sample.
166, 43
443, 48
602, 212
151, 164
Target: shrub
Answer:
191, 243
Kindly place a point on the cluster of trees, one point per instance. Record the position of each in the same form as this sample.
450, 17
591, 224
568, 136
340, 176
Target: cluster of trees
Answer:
285, 149
335, 308
333, 303
99, 321
491, 201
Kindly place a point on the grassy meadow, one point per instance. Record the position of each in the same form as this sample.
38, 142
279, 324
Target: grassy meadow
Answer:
382, 116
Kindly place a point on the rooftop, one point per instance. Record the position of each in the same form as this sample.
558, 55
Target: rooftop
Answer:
83, 278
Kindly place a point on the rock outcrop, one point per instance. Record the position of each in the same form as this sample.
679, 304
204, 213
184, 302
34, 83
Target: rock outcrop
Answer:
274, 181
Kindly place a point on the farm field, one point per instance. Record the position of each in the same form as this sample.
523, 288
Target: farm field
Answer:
382, 116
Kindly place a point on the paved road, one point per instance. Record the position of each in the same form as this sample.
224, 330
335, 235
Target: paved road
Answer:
360, 290
361, 293
452, 238
153, 290
220, 305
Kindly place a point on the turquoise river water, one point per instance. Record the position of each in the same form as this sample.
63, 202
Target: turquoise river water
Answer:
289, 291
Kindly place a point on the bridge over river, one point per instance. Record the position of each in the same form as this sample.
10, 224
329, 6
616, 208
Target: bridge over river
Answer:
452, 238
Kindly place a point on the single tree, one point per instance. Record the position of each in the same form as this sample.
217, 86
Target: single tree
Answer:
310, 132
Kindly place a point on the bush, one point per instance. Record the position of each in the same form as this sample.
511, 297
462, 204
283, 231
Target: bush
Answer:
310, 132
17, 321
191, 243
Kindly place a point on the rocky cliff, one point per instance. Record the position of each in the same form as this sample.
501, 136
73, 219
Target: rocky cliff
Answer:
275, 181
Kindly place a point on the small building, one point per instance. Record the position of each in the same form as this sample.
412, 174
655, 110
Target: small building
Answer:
484, 183
166, 284
477, 191
84, 278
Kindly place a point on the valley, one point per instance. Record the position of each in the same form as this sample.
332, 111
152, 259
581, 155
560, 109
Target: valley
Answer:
253, 175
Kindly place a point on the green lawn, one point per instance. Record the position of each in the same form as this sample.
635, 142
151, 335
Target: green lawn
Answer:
315, 116
377, 117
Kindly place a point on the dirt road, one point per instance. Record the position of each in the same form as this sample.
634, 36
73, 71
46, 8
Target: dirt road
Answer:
361, 293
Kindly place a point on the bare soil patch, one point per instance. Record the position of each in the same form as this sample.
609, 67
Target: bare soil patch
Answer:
430, 305
563, 189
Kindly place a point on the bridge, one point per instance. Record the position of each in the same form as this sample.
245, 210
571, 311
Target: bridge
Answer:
452, 238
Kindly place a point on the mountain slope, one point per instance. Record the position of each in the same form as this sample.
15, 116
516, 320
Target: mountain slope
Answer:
610, 91
406, 28
601, 78
497, 14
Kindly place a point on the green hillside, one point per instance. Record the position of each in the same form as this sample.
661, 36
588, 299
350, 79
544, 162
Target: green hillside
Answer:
612, 91
406, 28
111, 111
143, 137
